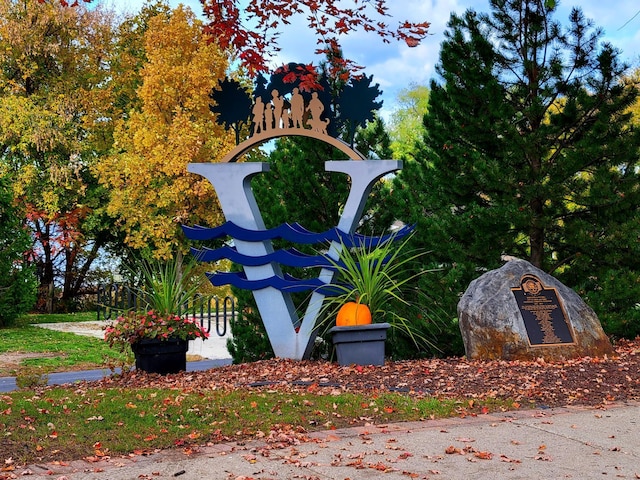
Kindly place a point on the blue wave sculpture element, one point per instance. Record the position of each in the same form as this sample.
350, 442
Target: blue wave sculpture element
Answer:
293, 232
290, 257
288, 283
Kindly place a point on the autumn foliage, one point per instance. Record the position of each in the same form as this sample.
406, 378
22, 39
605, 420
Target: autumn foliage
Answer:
64, 3
252, 32
152, 194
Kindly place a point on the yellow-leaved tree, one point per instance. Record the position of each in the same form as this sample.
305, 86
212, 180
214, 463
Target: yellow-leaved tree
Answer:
152, 193
56, 106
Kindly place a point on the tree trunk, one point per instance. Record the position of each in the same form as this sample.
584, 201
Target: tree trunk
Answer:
75, 275
536, 235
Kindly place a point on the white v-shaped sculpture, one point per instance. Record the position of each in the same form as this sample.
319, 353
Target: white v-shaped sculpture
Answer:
232, 182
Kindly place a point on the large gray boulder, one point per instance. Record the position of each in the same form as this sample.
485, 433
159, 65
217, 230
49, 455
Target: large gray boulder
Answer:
519, 312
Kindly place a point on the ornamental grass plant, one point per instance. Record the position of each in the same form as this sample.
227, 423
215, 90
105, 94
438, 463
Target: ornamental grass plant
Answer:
382, 278
166, 286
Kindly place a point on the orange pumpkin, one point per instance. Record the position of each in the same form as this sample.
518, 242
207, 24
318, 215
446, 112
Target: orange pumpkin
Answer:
353, 313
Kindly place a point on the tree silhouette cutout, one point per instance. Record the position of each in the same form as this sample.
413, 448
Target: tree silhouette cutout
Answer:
357, 105
261, 89
275, 104
232, 104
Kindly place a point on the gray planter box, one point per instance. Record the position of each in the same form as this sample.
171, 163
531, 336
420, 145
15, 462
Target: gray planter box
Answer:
361, 344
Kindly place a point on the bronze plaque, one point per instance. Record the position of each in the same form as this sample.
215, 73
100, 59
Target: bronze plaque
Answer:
541, 308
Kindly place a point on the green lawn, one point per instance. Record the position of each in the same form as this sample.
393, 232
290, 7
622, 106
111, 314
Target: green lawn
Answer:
54, 351
70, 423
56, 318
65, 423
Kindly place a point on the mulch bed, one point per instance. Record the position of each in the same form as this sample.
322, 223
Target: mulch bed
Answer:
585, 381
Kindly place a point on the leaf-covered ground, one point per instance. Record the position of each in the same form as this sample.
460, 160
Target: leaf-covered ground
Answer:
586, 381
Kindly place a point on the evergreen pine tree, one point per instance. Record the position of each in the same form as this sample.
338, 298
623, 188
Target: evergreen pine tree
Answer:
529, 151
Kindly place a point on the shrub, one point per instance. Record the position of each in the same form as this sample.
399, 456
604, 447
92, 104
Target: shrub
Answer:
17, 279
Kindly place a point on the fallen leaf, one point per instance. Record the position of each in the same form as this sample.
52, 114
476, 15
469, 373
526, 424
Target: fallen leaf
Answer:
411, 474
504, 458
483, 455
381, 467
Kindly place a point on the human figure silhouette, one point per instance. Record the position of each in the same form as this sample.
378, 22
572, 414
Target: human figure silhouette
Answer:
286, 117
297, 109
316, 109
268, 116
278, 107
258, 116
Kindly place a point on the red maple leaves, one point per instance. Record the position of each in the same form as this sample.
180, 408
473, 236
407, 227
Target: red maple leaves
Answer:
329, 19
306, 74
64, 3
54, 232
251, 32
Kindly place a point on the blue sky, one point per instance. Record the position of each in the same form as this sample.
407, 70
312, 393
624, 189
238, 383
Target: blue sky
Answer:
396, 66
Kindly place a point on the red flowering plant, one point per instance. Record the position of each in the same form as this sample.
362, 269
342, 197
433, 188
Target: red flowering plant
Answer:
166, 286
133, 327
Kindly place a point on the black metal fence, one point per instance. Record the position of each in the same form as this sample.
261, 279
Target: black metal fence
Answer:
212, 311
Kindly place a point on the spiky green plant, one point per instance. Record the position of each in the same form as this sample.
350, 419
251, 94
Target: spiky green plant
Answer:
381, 278
168, 284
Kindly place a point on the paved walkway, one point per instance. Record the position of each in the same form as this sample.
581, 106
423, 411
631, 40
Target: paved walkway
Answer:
566, 443
8, 384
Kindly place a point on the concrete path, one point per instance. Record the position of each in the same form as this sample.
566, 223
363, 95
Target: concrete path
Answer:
567, 443
8, 384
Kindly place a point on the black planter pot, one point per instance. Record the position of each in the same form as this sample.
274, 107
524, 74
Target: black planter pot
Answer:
360, 344
161, 356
